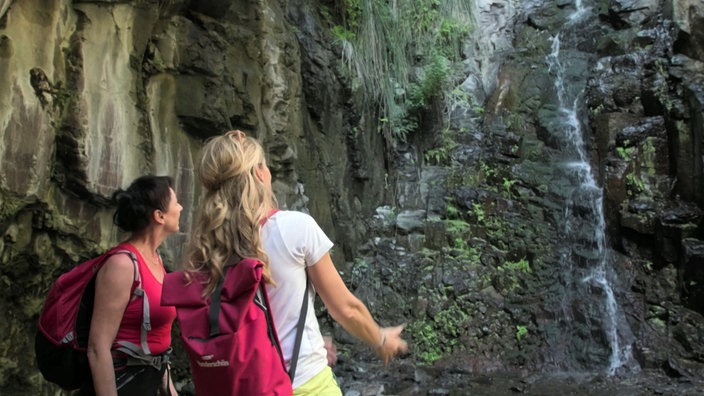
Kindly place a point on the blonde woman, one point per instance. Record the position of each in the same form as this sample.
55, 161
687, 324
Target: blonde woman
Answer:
239, 216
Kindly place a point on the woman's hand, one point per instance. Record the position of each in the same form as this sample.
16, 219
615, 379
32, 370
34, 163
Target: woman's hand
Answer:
391, 343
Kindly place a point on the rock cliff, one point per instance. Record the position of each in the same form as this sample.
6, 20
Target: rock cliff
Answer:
457, 228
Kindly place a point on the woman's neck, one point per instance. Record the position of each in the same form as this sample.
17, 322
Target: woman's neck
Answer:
147, 246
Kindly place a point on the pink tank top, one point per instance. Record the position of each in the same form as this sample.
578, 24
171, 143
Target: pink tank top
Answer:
159, 337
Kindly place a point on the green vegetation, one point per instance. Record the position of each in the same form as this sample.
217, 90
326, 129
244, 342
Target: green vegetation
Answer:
438, 336
432, 83
456, 226
399, 59
398, 56
643, 156
438, 155
625, 152
441, 154
478, 212
343, 34
521, 331
427, 343
516, 122
634, 184
511, 275
521, 265
458, 232
507, 184
648, 154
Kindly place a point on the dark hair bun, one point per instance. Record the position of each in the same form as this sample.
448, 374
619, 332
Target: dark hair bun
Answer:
136, 204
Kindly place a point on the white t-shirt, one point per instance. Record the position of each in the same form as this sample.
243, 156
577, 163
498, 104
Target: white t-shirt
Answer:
293, 240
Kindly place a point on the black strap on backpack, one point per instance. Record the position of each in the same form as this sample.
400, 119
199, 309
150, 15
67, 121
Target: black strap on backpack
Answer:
299, 332
263, 303
214, 315
259, 300
214, 310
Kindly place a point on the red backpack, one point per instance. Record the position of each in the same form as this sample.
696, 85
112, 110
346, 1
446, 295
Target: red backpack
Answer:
64, 322
230, 338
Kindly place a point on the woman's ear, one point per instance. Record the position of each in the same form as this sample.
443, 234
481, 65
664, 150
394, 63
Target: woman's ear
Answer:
258, 173
158, 216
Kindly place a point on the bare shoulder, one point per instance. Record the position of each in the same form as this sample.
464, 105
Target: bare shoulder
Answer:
117, 267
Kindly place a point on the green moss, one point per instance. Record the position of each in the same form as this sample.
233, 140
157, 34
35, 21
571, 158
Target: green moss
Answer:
648, 154
507, 184
521, 331
521, 265
427, 344
478, 212
456, 226
658, 323
511, 275
625, 153
342, 34
635, 185
439, 336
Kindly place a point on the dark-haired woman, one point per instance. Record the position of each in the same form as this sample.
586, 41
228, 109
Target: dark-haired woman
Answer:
149, 211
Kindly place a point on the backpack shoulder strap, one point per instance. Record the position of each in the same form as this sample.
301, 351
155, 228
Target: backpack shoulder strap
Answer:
261, 299
214, 309
146, 319
299, 331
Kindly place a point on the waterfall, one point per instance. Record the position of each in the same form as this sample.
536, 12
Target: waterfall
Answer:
588, 260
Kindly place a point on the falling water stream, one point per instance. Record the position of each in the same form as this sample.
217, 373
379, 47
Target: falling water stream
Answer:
584, 209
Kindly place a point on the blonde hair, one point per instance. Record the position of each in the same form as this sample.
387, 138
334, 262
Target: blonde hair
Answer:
235, 204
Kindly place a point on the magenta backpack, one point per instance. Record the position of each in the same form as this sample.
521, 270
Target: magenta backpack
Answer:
230, 338
64, 322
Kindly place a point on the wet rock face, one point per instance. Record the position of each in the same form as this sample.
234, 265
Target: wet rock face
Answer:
627, 13
98, 93
510, 213
649, 145
469, 256
688, 16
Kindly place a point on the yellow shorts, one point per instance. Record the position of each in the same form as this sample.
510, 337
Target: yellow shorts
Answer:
323, 384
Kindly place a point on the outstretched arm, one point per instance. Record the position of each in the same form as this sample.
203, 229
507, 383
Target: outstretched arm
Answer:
351, 313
